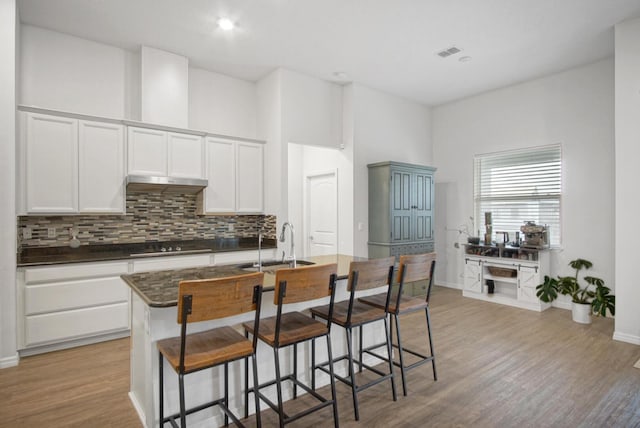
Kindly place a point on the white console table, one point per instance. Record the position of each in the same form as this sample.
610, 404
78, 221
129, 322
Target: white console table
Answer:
515, 272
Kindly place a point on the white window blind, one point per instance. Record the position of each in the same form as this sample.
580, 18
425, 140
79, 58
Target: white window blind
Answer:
519, 186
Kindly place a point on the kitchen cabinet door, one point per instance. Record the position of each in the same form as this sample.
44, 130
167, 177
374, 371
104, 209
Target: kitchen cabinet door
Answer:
101, 167
250, 178
473, 275
528, 280
220, 194
51, 157
147, 150
185, 155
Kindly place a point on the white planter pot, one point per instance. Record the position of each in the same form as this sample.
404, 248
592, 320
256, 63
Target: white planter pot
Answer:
581, 313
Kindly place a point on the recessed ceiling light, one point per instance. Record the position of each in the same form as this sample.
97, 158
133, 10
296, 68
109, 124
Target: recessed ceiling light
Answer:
226, 24
465, 59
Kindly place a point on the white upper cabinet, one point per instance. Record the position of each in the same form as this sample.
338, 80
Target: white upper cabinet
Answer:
72, 165
101, 167
250, 178
156, 152
51, 157
220, 194
147, 149
236, 173
185, 155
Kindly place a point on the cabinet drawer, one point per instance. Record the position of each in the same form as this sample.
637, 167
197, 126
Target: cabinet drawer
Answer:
74, 294
77, 323
58, 273
161, 263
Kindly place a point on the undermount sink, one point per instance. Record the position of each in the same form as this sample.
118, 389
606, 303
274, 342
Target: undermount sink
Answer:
273, 265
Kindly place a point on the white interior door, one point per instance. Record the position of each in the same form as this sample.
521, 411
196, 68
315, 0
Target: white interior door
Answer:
321, 213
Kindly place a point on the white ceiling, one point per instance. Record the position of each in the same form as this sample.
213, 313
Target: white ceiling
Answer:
390, 45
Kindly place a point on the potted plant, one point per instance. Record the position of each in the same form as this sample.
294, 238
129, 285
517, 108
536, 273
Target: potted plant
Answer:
594, 298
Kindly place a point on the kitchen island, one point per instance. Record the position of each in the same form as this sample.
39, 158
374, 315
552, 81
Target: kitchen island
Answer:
154, 317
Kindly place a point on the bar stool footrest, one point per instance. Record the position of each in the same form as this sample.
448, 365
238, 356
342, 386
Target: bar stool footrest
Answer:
219, 402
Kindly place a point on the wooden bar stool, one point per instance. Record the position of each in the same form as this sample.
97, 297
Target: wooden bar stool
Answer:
289, 329
353, 313
418, 267
203, 300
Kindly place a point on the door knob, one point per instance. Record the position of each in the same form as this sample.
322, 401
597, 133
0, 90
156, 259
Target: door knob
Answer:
310, 237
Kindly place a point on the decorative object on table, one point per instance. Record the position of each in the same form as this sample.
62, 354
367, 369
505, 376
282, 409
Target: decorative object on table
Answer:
488, 228
594, 298
535, 236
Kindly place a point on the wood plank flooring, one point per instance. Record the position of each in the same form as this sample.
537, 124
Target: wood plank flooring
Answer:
497, 367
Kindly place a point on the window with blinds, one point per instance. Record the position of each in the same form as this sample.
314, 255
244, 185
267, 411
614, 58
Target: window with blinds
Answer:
519, 186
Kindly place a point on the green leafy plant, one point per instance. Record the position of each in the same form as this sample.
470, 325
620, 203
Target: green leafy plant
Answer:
594, 293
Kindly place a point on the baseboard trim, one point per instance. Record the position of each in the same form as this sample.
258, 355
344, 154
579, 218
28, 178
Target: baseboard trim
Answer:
561, 305
449, 285
9, 361
624, 337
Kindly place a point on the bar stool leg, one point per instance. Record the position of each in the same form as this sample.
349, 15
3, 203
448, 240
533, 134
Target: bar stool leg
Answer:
226, 393
161, 380
400, 354
255, 391
433, 360
333, 384
390, 356
360, 359
183, 415
295, 370
246, 386
279, 387
313, 363
352, 374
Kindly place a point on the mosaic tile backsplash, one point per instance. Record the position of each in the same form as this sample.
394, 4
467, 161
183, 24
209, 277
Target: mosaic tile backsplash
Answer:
149, 217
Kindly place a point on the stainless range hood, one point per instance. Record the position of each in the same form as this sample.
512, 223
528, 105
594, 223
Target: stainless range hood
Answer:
165, 184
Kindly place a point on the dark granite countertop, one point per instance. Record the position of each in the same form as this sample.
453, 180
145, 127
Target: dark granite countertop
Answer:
160, 288
96, 253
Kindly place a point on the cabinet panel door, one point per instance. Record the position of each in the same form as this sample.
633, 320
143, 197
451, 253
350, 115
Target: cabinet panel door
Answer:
101, 167
472, 275
185, 155
147, 151
528, 280
250, 178
401, 206
422, 206
220, 194
51, 164
77, 323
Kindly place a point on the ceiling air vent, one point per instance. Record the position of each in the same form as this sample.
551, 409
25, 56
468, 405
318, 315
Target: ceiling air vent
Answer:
448, 52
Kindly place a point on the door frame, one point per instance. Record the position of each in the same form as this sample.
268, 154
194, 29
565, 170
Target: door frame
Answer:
307, 204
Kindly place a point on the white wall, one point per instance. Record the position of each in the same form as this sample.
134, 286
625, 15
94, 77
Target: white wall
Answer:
627, 154
574, 108
73, 74
385, 128
311, 110
8, 34
222, 104
165, 87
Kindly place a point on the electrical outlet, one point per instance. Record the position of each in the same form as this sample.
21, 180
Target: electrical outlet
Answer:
26, 233
231, 227
51, 232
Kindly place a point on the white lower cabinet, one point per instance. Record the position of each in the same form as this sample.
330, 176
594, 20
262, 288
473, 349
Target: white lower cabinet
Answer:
506, 281
61, 306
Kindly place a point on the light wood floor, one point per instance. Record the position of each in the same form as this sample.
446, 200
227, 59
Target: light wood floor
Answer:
497, 367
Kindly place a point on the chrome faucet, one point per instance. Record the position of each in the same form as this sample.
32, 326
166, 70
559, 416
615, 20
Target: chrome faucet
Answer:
292, 251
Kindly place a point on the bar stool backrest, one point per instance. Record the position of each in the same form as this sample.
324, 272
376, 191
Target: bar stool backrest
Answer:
304, 283
370, 273
219, 298
417, 267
